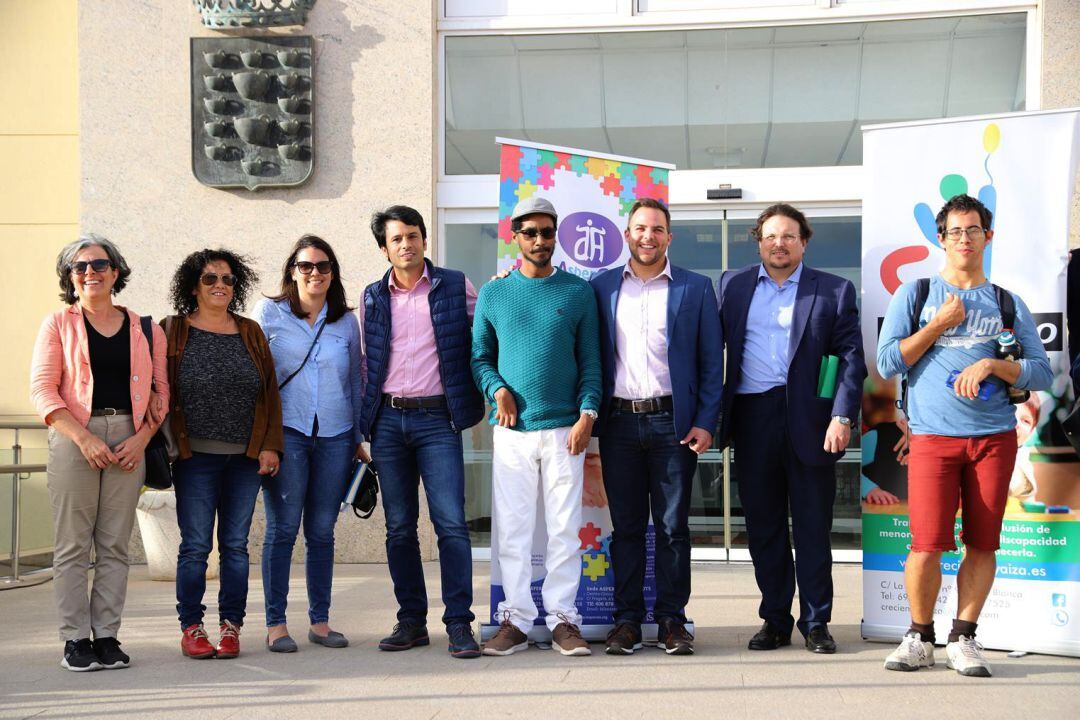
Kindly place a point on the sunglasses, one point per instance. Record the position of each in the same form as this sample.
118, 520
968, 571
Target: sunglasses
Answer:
227, 279
531, 233
323, 266
99, 266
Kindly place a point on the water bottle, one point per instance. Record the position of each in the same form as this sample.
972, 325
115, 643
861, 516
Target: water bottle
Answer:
1008, 348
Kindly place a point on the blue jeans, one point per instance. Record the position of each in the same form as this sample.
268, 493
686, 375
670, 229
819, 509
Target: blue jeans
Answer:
405, 446
312, 481
644, 464
209, 486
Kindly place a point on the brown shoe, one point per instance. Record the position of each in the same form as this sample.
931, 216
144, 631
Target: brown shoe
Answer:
507, 641
566, 638
673, 638
623, 639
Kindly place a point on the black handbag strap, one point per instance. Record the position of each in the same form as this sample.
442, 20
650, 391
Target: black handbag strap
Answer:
304, 362
147, 324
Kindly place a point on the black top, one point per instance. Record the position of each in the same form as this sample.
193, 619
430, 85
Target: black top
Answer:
219, 384
110, 365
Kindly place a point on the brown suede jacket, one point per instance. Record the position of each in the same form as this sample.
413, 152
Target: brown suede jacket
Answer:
267, 432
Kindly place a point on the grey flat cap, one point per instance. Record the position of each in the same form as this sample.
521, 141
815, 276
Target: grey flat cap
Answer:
532, 205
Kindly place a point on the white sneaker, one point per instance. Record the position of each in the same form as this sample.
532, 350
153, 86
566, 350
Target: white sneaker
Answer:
965, 657
912, 654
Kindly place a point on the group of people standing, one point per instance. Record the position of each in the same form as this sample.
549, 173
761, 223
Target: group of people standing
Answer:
285, 401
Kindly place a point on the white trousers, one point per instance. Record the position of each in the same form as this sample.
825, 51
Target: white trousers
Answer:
527, 468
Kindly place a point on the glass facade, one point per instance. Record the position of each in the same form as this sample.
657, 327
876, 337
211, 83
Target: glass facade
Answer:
763, 97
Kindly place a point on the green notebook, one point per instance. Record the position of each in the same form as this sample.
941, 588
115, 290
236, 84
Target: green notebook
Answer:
826, 384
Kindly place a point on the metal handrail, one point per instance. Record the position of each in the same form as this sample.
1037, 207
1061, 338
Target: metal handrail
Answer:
18, 470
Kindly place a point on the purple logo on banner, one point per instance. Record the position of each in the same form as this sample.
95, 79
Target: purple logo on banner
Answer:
590, 240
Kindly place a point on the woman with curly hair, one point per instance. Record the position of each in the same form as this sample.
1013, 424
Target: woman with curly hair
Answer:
316, 346
91, 382
226, 420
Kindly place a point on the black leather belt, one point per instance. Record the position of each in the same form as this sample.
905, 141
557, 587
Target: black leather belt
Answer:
649, 405
98, 412
432, 402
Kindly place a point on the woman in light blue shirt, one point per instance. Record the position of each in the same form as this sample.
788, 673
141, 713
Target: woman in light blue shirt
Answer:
321, 401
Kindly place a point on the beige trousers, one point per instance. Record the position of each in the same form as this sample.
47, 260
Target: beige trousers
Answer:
91, 509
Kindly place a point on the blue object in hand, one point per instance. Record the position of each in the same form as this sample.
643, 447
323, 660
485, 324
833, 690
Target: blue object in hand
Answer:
986, 388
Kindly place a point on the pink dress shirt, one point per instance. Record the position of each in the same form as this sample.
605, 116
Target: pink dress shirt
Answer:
60, 376
413, 370
641, 360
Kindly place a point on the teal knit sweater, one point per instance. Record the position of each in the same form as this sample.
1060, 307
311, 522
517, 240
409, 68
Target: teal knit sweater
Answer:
539, 337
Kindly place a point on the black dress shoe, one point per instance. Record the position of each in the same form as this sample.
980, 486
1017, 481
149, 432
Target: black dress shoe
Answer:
819, 640
405, 636
769, 638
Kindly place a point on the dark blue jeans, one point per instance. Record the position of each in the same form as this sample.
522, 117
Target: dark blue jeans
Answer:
207, 487
643, 464
312, 481
405, 446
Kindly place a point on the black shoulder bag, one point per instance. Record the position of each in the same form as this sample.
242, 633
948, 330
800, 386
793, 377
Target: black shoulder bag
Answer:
156, 456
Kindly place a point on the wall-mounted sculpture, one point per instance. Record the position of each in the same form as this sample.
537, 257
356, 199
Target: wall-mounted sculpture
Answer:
253, 13
251, 111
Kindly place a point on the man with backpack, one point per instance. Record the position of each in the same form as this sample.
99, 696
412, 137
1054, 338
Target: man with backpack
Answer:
943, 335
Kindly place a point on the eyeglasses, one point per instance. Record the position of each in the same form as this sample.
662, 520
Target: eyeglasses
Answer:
209, 279
787, 239
974, 232
100, 266
323, 266
531, 233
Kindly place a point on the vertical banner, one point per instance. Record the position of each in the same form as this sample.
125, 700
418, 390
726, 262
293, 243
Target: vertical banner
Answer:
593, 194
1022, 166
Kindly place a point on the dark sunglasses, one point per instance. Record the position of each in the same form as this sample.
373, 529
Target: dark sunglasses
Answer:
227, 279
531, 233
323, 266
99, 266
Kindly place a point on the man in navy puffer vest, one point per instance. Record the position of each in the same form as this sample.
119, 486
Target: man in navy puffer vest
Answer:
419, 396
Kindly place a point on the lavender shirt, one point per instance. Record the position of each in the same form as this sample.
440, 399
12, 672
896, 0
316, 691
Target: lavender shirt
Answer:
641, 360
413, 370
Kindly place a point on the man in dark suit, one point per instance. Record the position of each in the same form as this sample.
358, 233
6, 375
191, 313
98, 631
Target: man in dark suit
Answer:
781, 321
662, 359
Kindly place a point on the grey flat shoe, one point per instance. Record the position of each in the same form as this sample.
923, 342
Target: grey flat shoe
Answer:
333, 640
282, 645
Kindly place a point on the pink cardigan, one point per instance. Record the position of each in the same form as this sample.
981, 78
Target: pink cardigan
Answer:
60, 374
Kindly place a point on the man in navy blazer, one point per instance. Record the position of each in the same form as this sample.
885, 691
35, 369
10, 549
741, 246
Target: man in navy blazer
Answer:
662, 359
781, 320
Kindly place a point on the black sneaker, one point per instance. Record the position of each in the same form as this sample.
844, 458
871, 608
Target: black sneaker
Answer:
79, 656
405, 635
109, 653
462, 642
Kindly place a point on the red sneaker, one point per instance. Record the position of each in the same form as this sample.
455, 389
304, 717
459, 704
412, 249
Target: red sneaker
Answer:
229, 645
195, 644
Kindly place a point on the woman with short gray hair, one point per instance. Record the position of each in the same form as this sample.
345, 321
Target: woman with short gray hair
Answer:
103, 394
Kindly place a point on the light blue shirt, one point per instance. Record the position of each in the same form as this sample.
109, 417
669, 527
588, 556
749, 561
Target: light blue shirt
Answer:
935, 409
330, 384
768, 333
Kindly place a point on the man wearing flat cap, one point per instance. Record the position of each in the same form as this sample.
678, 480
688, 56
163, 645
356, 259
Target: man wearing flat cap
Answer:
536, 356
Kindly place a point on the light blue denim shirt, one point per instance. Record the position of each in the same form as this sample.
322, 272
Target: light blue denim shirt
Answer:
768, 333
330, 385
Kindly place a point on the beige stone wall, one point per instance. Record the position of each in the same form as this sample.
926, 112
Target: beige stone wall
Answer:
374, 74
1061, 72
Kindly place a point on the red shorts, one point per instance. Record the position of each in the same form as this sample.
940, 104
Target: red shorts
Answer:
969, 473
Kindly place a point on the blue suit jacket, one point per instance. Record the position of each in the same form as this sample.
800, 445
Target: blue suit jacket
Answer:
695, 347
825, 322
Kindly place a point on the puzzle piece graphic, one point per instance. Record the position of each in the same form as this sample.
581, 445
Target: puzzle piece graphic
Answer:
507, 197
611, 185
605, 545
510, 162
562, 161
577, 165
525, 190
547, 177
546, 157
529, 158
589, 537
530, 174
594, 567
597, 168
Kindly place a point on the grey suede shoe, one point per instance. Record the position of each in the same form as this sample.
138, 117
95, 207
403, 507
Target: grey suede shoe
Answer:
282, 645
333, 640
